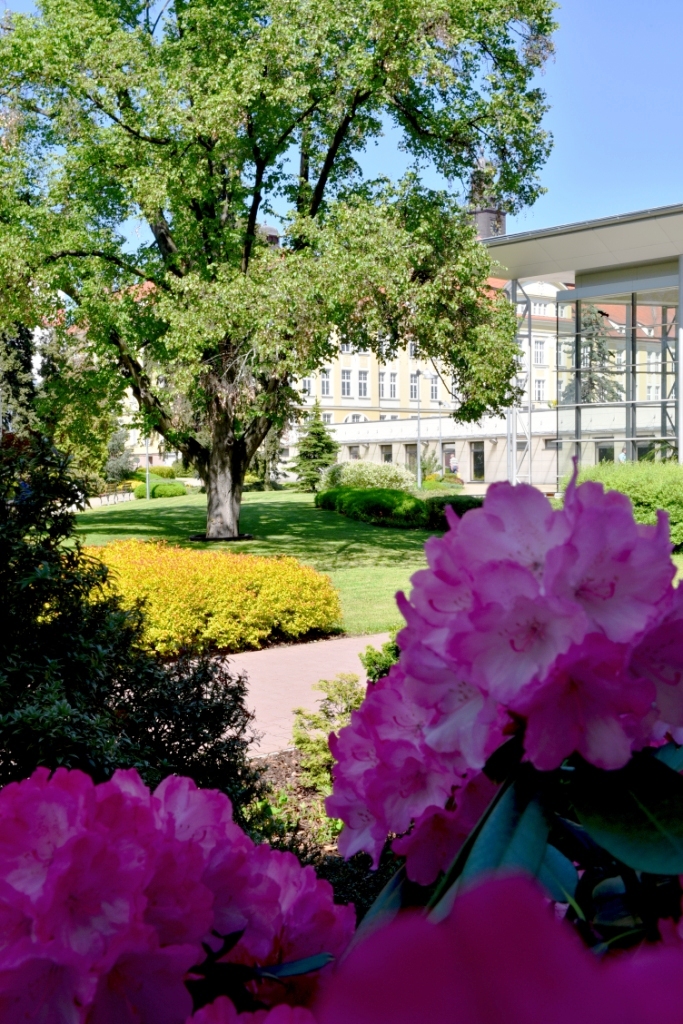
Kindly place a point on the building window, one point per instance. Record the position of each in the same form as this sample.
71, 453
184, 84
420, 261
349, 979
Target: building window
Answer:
346, 383
539, 308
306, 385
411, 458
621, 358
539, 351
327, 417
539, 389
605, 451
386, 453
653, 392
392, 385
412, 349
354, 451
382, 416
654, 362
362, 383
381, 385
356, 418
345, 346
393, 417
478, 464
434, 389
413, 387
325, 383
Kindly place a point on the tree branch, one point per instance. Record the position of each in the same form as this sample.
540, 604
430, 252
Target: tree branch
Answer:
110, 258
331, 156
126, 127
161, 230
141, 387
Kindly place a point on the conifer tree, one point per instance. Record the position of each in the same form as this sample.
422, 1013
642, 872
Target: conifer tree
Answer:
317, 450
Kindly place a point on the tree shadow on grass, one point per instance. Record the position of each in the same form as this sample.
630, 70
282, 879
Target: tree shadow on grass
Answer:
282, 524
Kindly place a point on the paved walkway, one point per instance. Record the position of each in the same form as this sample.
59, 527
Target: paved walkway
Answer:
282, 678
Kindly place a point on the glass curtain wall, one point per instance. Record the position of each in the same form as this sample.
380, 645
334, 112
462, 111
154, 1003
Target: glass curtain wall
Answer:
616, 374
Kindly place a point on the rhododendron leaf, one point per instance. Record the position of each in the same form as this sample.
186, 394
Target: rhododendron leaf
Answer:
671, 755
385, 907
611, 905
296, 967
635, 813
515, 835
558, 875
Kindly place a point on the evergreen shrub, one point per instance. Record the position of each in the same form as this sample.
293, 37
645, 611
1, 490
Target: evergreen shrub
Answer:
161, 489
156, 472
77, 687
384, 507
366, 475
649, 485
219, 600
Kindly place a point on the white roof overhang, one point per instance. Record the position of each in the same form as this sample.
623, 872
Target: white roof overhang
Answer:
631, 247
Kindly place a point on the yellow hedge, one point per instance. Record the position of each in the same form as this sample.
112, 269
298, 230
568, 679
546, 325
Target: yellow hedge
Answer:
212, 599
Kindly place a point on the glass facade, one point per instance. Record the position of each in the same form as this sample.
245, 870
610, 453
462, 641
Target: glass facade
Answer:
616, 378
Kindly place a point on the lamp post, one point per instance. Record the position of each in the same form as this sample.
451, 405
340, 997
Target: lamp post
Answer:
418, 374
147, 466
441, 405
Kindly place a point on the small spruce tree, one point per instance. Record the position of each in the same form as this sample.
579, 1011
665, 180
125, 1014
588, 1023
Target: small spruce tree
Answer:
317, 450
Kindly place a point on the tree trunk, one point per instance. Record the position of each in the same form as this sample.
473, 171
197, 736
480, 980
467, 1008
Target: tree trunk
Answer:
224, 478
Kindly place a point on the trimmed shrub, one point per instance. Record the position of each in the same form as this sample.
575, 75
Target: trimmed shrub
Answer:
160, 490
365, 475
649, 485
384, 507
219, 600
155, 473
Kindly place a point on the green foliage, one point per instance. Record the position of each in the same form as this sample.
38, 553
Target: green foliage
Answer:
109, 115
378, 662
649, 485
160, 489
121, 462
76, 686
601, 378
316, 450
384, 507
165, 472
360, 474
312, 729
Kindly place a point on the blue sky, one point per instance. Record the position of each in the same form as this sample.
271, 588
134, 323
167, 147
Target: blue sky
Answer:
615, 113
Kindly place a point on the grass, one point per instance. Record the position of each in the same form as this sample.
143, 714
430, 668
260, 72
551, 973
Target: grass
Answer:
367, 564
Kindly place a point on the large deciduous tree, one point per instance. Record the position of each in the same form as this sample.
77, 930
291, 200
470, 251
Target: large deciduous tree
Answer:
188, 122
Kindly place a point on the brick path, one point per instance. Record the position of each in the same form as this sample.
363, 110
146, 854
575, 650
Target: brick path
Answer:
281, 678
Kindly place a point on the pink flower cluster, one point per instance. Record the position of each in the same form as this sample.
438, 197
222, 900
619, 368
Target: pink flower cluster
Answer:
563, 623
107, 893
501, 956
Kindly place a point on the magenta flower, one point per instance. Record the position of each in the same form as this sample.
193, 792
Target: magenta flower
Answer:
562, 625
108, 892
500, 958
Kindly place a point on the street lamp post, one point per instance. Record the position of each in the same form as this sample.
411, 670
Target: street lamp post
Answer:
418, 374
147, 466
441, 405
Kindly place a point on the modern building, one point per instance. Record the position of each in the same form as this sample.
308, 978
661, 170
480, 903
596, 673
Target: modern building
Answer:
599, 339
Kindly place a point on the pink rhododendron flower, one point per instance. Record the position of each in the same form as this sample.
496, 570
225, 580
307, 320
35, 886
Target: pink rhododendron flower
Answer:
107, 894
500, 958
222, 1011
589, 703
561, 623
439, 834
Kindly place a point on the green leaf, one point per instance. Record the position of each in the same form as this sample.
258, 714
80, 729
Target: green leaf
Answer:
515, 835
558, 875
671, 755
296, 967
636, 813
384, 909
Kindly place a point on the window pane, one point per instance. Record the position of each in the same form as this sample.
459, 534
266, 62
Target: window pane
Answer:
478, 466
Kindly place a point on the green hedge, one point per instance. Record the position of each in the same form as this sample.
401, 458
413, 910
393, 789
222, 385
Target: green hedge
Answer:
384, 507
160, 490
649, 485
160, 472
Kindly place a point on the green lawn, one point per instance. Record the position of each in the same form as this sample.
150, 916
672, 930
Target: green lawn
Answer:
367, 564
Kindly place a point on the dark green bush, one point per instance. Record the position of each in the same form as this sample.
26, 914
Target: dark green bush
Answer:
77, 688
160, 490
649, 485
383, 507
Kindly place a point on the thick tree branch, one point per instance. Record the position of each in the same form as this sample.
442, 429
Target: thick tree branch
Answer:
161, 230
331, 155
253, 214
153, 140
141, 387
110, 258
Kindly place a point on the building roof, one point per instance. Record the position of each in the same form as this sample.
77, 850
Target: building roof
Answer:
647, 236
